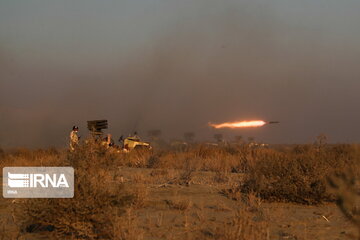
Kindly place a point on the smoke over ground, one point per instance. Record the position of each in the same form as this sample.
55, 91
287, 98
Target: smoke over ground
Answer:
175, 66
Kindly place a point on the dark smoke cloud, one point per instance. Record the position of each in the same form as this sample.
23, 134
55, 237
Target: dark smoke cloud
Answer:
176, 66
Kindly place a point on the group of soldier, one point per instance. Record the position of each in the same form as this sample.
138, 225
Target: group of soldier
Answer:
106, 142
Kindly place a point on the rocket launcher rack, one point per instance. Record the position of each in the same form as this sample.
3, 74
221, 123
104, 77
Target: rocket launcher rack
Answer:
96, 126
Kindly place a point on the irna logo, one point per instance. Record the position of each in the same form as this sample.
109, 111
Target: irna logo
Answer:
38, 182
31, 180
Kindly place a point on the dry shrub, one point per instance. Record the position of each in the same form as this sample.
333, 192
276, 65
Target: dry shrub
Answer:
221, 177
137, 158
233, 193
204, 158
180, 204
89, 215
155, 161
253, 202
6, 231
159, 172
223, 159
92, 154
243, 227
126, 227
296, 176
98, 202
33, 158
139, 178
161, 176
185, 177
139, 195
344, 186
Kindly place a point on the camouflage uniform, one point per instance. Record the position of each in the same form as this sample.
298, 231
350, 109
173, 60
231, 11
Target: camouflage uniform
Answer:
74, 140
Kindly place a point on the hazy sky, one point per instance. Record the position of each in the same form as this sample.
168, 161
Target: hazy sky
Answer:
175, 65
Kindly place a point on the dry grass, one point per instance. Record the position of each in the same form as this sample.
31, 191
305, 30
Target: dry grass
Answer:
243, 227
298, 175
347, 193
96, 208
105, 209
180, 204
126, 227
291, 174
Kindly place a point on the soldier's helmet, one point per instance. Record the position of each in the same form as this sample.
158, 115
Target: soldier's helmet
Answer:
75, 128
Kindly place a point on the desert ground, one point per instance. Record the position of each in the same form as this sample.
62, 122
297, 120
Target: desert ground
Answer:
202, 192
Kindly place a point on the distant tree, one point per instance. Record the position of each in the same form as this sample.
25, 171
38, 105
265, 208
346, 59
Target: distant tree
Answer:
218, 137
189, 136
238, 139
321, 140
251, 139
154, 134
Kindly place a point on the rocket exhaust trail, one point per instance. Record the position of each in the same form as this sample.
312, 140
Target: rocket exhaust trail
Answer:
242, 124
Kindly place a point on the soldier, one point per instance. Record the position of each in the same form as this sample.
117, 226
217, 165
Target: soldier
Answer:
108, 141
136, 135
121, 141
74, 139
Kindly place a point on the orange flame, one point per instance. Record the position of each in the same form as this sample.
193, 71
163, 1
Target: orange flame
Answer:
242, 124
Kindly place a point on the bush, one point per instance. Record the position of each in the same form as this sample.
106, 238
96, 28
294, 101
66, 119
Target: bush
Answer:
94, 210
296, 176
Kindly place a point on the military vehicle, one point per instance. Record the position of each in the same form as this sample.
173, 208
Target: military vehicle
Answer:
131, 143
128, 144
